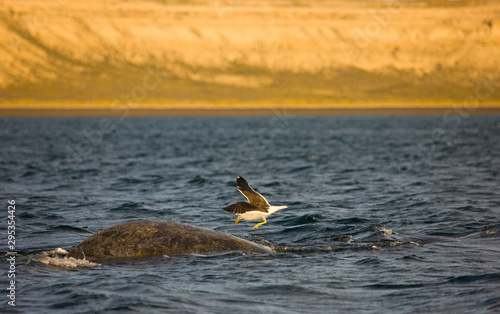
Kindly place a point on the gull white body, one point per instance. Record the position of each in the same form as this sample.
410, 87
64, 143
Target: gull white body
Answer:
255, 214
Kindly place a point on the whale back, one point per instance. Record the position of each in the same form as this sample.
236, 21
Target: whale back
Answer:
147, 238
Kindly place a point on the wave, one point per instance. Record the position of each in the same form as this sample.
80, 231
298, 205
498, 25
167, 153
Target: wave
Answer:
351, 220
198, 180
488, 231
65, 262
484, 278
130, 206
302, 220
459, 280
57, 258
69, 228
353, 246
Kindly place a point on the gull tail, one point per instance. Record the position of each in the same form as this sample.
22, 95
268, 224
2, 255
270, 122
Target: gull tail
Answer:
273, 209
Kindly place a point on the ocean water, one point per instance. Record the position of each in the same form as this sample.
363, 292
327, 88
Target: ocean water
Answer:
397, 214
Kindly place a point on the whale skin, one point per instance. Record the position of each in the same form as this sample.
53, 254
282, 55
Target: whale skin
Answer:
146, 238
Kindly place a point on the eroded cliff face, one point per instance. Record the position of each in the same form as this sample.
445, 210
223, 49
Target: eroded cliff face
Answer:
154, 53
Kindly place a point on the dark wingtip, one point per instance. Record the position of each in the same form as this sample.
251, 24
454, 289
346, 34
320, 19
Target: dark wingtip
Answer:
241, 180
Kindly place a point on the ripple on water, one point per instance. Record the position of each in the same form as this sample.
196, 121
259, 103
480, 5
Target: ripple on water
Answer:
361, 192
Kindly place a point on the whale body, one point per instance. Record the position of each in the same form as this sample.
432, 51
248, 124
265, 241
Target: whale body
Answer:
146, 238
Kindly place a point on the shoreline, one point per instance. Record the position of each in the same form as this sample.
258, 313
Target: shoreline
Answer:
282, 111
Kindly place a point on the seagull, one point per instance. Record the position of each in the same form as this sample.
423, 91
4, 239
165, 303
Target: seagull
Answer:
256, 208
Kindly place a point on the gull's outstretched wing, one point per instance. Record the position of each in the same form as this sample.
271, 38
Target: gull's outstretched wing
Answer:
243, 207
253, 197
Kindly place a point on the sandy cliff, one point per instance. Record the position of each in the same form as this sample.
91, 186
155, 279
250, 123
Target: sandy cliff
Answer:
245, 53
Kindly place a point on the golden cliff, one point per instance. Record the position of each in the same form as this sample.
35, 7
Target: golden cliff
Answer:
233, 53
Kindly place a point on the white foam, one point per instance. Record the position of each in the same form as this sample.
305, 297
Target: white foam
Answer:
57, 258
56, 252
386, 232
67, 262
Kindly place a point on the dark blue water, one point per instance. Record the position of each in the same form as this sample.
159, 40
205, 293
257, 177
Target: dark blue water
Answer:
397, 214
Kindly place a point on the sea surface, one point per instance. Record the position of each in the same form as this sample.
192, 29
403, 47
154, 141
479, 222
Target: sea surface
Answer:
392, 214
